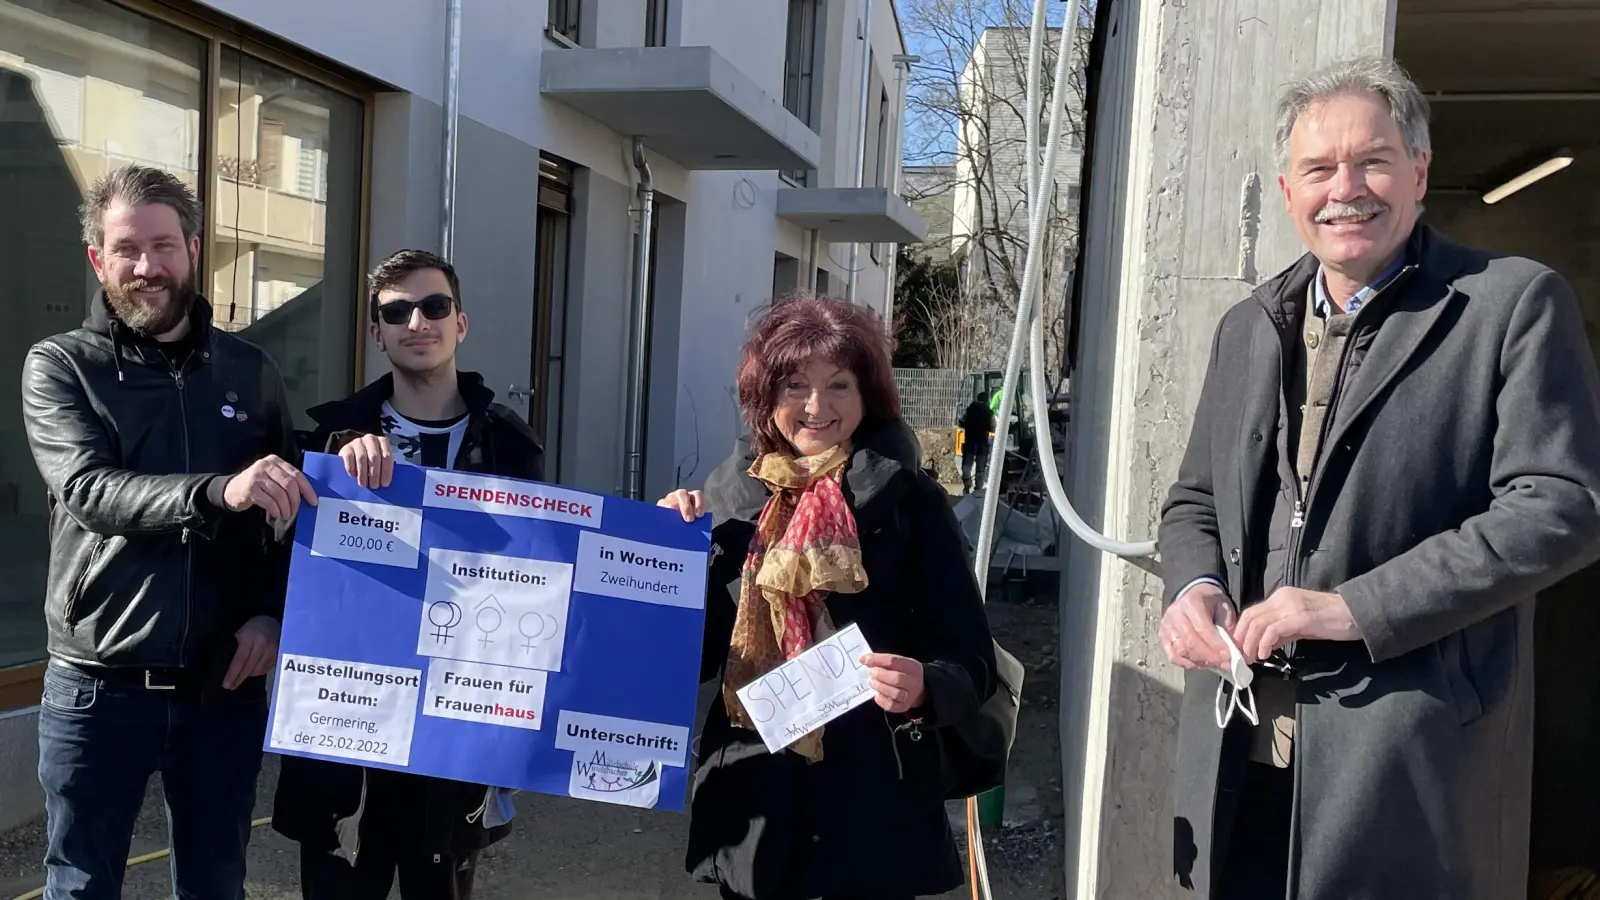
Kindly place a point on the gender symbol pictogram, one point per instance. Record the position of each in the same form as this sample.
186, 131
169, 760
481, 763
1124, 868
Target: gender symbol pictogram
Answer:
536, 627
444, 615
489, 615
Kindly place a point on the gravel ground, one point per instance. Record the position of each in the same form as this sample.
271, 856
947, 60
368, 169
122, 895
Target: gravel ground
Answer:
565, 849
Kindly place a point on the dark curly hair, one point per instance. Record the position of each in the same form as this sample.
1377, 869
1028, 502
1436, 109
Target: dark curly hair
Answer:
401, 264
797, 329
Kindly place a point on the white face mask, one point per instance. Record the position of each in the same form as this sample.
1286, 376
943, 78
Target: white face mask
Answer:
1237, 676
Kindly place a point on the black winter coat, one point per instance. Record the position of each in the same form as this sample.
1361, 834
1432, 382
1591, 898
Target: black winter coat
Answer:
869, 818
1459, 477
314, 795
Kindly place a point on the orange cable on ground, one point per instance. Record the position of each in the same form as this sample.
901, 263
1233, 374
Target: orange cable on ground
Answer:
972, 850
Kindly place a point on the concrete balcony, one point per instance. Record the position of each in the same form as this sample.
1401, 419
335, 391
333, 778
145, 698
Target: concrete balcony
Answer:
688, 103
252, 213
866, 215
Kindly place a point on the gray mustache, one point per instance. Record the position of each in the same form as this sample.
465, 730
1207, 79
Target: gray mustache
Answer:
1346, 210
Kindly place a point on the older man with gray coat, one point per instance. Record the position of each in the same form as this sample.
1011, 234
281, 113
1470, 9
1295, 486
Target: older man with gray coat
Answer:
1397, 446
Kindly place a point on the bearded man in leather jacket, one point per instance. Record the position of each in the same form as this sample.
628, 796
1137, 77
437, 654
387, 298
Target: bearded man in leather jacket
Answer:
165, 445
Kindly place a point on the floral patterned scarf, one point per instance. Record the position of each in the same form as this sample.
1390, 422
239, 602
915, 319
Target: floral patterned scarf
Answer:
805, 547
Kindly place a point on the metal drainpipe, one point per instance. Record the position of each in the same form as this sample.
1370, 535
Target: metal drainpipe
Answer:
452, 111
637, 373
861, 138
814, 262
902, 68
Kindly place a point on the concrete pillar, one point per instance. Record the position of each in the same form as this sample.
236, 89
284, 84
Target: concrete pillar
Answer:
1184, 217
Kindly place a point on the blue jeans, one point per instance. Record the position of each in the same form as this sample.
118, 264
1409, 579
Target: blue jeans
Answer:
99, 740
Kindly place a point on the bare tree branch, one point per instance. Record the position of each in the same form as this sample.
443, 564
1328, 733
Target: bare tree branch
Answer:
966, 109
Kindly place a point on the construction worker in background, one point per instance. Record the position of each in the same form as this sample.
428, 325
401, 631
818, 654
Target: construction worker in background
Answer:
977, 423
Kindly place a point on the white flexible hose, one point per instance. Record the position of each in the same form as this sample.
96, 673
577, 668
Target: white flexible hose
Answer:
1047, 461
1030, 326
1030, 280
1036, 379
1031, 125
1030, 320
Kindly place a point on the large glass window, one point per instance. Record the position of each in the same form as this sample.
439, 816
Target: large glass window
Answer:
87, 86
84, 87
655, 23
565, 21
547, 381
799, 67
285, 230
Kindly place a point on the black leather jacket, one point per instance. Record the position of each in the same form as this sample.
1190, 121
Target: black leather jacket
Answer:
147, 570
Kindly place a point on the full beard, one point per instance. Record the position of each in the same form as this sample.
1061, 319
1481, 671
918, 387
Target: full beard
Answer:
148, 318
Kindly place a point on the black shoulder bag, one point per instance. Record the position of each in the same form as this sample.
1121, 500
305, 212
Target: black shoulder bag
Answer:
978, 750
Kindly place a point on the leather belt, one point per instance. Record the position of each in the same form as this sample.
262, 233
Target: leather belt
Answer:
162, 679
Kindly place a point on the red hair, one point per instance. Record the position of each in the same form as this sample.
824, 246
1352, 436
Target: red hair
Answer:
798, 329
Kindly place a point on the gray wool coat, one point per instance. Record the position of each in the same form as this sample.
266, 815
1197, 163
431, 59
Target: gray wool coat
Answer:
1459, 477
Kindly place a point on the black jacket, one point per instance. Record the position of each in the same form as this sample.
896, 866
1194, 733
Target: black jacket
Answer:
314, 795
978, 422
869, 818
1459, 477
146, 568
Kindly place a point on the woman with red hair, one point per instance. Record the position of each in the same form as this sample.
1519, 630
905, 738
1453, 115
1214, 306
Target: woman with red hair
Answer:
823, 518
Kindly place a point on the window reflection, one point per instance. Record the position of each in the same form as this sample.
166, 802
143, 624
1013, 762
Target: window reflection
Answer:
85, 87
285, 227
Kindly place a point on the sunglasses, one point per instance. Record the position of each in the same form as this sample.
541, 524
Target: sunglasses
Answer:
398, 312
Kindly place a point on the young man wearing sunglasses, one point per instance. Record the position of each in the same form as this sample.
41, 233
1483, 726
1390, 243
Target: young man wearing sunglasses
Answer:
359, 827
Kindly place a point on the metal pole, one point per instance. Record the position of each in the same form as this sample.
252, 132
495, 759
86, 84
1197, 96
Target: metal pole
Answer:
861, 138
452, 111
902, 72
638, 373
815, 261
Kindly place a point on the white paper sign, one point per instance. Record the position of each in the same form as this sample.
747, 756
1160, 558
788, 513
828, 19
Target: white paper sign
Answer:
367, 532
494, 695
502, 610
612, 777
480, 493
614, 567
625, 738
336, 708
809, 691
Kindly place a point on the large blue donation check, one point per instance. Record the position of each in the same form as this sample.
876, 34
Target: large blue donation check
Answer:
493, 631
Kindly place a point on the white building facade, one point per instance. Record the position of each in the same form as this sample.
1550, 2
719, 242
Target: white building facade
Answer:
316, 133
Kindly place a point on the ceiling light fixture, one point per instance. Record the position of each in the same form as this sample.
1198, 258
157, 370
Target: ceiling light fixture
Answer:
1554, 164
